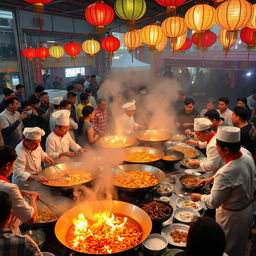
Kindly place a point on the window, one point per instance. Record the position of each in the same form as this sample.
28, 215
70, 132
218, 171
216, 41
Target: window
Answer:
72, 72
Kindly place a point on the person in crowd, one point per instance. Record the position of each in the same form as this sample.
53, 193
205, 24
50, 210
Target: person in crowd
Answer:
19, 92
38, 90
13, 244
127, 122
251, 100
7, 93
30, 158
87, 81
214, 117
209, 106
46, 107
72, 98
239, 119
100, 119
204, 133
70, 88
45, 75
56, 106
232, 191
35, 103
185, 117
84, 99
180, 101
49, 83
224, 111
65, 104
86, 132
57, 83
11, 121
205, 236
242, 102
22, 211
79, 79
59, 142
92, 100
94, 86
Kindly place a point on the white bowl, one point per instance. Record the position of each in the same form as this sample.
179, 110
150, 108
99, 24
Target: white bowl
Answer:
165, 199
155, 243
178, 211
200, 205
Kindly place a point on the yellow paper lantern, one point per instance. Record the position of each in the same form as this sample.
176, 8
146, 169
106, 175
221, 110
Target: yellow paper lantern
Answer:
56, 51
200, 17
234, 14
162, 45
178, 43
130, 10
91, 47
152, 35
132, 40
252, 22
174, 27
227, 40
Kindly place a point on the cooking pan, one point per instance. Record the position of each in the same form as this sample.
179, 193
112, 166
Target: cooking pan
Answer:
108, 141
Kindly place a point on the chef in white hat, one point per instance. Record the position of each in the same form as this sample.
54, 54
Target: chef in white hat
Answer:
59, 142
128, 124
30, 158
233, 190
56, 104
204, 133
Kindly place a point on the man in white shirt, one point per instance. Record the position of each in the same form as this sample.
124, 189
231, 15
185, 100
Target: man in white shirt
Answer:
30, 158
59, 142
56, 104
224, 111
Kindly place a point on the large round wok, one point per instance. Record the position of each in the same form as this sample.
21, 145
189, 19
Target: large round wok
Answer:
109, 141
63, 168
150, 150
159, 174
118, 207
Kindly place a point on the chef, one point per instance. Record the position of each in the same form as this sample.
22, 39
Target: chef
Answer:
204, 133
30, 158
59, 142
233, 190
128, 125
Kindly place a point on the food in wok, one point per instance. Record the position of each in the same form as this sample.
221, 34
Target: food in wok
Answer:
170, 158
115, 141
45, 215
135, 179
190, 181
140, 157
187, 151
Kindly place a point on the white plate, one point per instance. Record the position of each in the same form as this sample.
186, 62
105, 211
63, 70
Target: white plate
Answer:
166, 231
192, 172
200, 204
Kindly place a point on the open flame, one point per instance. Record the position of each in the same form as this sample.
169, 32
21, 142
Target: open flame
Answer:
109, 233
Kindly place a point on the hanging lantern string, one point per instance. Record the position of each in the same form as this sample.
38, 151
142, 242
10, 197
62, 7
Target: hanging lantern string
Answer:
112, 28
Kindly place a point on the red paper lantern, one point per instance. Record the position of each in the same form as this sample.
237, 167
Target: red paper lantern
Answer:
99, 14
204, 40
186, 45
72, 49
38, 5
29, 53
170, 3
110, 44
248, 36
42, 52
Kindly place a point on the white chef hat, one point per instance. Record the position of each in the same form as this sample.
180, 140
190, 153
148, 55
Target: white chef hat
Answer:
129, 105
61, 117
228, 134
33, 133
201, 124
57, 100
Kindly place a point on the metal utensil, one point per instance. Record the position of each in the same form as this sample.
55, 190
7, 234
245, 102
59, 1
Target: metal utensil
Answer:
179, 195
57, 169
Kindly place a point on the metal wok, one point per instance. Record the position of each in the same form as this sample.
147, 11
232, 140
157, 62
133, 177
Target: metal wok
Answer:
109, 141
159, 174
154, 151
177, 155
117, 207
62, 169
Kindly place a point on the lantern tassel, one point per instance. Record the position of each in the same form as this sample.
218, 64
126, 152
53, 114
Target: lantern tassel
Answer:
40, 23
171, 11
38, 8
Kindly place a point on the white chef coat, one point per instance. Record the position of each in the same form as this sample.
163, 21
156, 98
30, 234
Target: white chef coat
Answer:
214, 161
233, 188
128, 125
227, 116
22, 211
27, 163
56, 145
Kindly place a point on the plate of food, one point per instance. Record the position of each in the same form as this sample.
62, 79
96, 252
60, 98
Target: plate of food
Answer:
189, 152
45, 214
176, 234
192, 172
185, 163
189, 181
163, 189
185, 214
187, 202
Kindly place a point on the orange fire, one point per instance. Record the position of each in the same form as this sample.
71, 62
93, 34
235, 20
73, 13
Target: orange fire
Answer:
108, 233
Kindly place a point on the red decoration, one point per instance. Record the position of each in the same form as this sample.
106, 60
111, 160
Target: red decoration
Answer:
110, 44
42, 52
204, 40
29, 53
72, 49
38, 5
248, 36
170, 3
186, 45
99, 14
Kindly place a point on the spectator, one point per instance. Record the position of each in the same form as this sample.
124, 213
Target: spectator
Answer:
224, 111
11, 120
7, 93
70, 88
180, 101
209, 106
214, 117
38, 90
87, 82
46, 107
57, 83
94, 86
185, 117
72, 98
92, 100
251, 100
45, 75
13, 244
49, 83
19, 92
35, 103
84, 98
242, 102
100, 119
